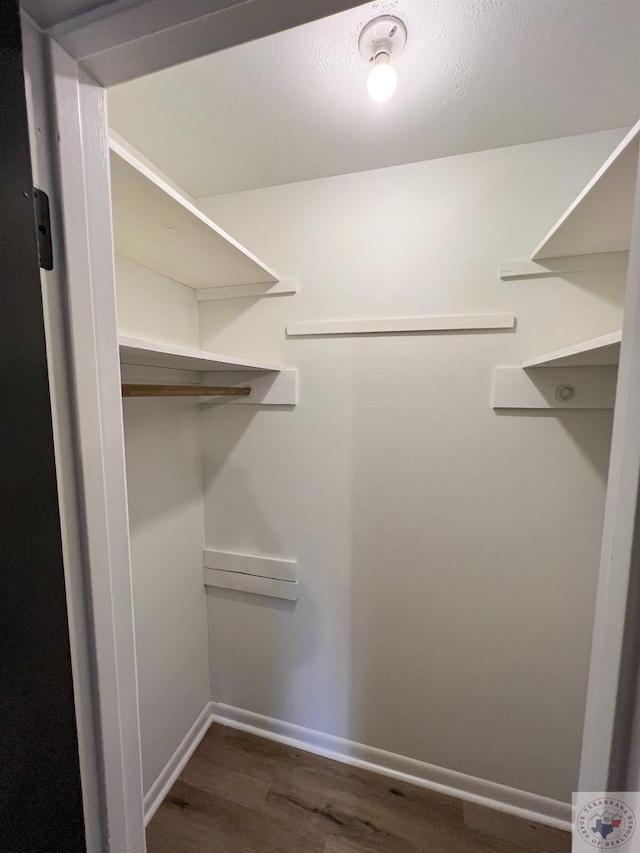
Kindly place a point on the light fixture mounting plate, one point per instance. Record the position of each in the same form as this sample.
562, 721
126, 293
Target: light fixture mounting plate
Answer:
384, 34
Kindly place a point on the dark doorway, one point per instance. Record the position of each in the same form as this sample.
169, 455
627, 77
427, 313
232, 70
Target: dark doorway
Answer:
40, 792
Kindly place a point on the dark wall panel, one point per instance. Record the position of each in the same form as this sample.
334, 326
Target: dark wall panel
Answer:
40, 794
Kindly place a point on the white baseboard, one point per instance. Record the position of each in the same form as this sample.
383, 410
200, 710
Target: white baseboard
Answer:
160, 788
469, 788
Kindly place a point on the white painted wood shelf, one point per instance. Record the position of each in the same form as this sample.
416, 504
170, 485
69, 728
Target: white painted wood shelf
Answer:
597, 352
599, 220
142, 353
149, 362
158, 227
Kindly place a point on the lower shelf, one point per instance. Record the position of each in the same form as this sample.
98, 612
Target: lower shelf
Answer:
246, 382
145, 353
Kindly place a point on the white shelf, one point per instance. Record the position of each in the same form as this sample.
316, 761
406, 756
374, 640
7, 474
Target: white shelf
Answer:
157, 227
151, 354
599, 220
598, 352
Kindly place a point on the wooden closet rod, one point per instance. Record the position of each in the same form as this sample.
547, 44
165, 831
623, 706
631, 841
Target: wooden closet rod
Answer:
182, 391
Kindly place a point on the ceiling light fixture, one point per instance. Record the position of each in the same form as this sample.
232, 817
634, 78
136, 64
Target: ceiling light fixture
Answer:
381, 39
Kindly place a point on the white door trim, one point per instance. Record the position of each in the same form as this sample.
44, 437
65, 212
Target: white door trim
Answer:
54, 305
611, 681
82, 161
81, 191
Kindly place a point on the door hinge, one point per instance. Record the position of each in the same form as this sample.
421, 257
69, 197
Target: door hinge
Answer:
43, 228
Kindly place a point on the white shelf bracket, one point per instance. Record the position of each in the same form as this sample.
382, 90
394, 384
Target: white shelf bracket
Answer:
268, 389
554, 387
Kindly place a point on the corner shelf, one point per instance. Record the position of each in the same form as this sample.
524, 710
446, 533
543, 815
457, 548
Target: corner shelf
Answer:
150, 362
599, 220
141, 353
158, 227
597, 352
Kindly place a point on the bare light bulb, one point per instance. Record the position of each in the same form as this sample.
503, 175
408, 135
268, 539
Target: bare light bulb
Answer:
382, 80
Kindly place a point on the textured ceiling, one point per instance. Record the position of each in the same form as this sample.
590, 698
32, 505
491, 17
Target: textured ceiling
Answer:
476, 74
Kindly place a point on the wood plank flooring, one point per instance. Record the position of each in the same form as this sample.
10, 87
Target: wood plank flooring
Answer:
244, 794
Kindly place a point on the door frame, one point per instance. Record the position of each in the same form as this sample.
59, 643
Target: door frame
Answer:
106, 47
610, 713
79, 108
127, 42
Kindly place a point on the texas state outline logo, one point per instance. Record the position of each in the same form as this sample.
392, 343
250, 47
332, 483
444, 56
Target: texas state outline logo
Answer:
605, 822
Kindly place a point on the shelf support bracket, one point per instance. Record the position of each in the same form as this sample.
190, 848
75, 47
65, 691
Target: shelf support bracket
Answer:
266, 389
554, 387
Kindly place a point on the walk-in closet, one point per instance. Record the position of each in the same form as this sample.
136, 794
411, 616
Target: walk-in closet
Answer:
370, 279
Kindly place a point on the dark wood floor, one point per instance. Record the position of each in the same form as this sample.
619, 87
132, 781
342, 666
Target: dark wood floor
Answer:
244, 794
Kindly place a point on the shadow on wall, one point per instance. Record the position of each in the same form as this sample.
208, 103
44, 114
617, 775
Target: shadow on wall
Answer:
590, 430
258, 644
474, 565
221, 313
610, 288
159, 429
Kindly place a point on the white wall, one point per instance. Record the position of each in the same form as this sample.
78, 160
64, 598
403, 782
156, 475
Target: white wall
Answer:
447, 553
155, 307
165, 494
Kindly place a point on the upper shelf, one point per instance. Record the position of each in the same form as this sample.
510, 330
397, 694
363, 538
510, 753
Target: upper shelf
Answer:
151, 354
156, 226
599, 220
601, 351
